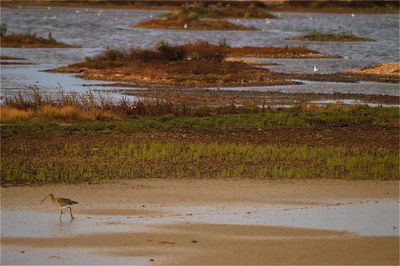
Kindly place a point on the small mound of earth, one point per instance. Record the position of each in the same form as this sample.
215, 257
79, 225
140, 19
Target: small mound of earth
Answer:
387, 70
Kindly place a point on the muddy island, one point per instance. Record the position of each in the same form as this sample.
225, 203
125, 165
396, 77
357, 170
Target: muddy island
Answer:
198, 64
388, 71
222, 10
196, 17
330, 37
31, 40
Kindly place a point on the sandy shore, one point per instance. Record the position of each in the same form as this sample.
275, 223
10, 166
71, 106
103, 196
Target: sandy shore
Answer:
206, 243
133, 193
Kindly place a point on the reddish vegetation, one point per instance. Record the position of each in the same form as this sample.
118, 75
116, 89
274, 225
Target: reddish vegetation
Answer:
184, 73
198, 64
191, 25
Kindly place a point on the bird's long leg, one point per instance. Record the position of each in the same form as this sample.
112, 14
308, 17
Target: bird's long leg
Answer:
70, 212
60, 213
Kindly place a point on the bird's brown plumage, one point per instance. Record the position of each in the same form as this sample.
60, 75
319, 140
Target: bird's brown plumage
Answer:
61, 203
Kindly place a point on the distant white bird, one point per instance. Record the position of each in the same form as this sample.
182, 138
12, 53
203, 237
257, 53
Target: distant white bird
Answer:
99, 14
316, 69
238, 20
353, 15
267, 21
49, 8
77, 11
151, 16
310, 17
346, 57
185, 26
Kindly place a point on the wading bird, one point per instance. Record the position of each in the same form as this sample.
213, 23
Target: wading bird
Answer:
61, 203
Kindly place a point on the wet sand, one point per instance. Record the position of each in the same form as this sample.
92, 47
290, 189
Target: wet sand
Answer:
131, 194
147, 239
232, 244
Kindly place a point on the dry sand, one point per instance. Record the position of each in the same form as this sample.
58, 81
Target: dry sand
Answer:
194, 243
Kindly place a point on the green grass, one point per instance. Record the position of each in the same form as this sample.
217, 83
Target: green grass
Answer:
93, 162
284, 118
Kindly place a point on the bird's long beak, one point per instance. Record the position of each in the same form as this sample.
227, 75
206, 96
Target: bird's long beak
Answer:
44, 199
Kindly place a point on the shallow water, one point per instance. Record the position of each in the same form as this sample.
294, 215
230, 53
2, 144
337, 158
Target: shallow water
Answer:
370, 218
363, 87
374, 218
95, 29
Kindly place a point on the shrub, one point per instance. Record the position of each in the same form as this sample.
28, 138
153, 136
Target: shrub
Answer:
171, 53
204, 51
144, 55
112, 54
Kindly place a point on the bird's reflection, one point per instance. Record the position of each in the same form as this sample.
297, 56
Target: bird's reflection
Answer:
66, 226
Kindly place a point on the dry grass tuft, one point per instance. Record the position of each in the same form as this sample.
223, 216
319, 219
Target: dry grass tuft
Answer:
10, 114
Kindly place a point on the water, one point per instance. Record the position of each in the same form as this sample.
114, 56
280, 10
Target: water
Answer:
325, 87
97, 29
369, 218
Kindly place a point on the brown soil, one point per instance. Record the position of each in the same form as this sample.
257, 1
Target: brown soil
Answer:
205, 97
313, 136
183, 73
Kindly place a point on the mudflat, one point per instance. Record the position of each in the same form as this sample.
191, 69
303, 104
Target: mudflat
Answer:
209, 243
129, 193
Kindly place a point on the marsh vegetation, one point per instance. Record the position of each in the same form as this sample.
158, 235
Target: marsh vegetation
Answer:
196, 64
316, 36
30, 40
70, 140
